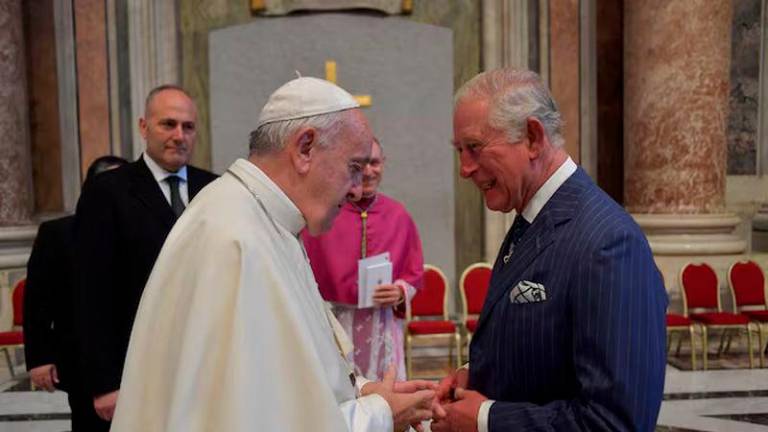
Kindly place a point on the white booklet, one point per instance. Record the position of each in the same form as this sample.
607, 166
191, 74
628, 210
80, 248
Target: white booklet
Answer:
372, 271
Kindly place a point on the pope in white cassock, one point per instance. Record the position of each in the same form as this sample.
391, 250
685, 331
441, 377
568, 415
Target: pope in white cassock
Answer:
231, 333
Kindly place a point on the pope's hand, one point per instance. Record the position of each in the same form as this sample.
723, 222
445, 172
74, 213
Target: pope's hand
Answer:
45, 377
105, 405
408, 409
388, 295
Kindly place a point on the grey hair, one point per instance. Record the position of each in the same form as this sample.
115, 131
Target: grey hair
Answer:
270, 137
514, 96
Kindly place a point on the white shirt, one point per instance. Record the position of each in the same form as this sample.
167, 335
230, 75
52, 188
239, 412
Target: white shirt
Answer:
160, 174
530, 212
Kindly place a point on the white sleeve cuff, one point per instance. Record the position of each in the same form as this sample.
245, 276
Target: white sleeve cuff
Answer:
482, 415
378, 412
360, 382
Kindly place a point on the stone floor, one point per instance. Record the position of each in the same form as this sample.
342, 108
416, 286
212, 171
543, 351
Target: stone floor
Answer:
714, 400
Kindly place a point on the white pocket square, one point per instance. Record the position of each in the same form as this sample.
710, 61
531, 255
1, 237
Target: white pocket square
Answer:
528, 292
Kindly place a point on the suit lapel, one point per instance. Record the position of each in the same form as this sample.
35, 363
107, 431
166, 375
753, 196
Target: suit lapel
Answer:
145, 189
194, 183
540, 235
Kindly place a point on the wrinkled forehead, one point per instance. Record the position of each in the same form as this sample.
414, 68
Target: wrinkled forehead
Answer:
358, 135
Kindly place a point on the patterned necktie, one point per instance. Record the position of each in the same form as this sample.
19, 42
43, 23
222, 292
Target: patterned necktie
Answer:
177, 205
515, 234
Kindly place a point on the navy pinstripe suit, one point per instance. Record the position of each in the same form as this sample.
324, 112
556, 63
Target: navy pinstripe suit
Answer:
591, 356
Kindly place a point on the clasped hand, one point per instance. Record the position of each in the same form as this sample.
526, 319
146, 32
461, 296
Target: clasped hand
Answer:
410, 401
456, 408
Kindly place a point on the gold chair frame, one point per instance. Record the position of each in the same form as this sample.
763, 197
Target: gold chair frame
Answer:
454, 338
761, 327
726, 328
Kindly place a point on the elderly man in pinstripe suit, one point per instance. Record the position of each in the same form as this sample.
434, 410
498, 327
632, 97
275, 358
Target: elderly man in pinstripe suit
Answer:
571, 336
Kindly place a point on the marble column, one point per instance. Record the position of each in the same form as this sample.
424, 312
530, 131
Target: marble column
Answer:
15, 163
677, 71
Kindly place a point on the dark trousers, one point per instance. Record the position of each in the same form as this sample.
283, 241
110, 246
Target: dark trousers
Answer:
84, 417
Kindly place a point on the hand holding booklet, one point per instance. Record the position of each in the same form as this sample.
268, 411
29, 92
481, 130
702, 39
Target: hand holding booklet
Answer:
372, 271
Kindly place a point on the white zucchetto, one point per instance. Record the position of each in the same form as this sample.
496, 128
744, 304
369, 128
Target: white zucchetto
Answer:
305, 97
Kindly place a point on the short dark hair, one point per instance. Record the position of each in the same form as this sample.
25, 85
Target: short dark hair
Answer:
104, 163
162, 88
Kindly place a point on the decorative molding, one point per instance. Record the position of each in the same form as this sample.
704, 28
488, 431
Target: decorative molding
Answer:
66, 69
116, 147
762, 104
506, 34
15, 246
588, 86
284, 7
692, 234
153, 47
544, 41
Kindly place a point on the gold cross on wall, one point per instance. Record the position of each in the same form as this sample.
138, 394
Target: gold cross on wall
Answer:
330, 75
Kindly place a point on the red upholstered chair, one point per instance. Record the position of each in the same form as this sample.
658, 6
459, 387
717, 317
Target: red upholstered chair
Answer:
15, 337
427, 316
747, 282
701, 303
474, 287
680, 324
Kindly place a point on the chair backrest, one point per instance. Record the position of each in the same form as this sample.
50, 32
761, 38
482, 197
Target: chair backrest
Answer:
700, 287
431, 299
18, 302
747, 283
474, 287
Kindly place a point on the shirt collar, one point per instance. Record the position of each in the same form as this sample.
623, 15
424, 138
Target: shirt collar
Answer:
277, 204
545, 192
159, 173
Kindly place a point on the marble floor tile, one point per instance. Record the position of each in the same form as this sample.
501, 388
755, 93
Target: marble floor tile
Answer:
716, 400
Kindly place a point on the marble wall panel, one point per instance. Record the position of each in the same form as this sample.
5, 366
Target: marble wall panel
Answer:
15, 166
745, 86
676, 67
93, 80
45, 135
564, 68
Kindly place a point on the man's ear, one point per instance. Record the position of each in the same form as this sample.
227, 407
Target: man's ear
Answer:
303, 143
143, 127
537, 137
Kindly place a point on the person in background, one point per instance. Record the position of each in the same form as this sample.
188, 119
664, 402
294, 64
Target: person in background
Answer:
373, 225
49, 340
123, 218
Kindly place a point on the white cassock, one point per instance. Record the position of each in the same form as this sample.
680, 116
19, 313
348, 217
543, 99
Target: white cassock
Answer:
231, 333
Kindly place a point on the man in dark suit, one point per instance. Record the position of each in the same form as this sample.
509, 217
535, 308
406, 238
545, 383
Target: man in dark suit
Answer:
49, 343
571, 336
123, 218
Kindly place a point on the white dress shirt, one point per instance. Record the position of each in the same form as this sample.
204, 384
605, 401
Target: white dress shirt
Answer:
530, 212
160, 174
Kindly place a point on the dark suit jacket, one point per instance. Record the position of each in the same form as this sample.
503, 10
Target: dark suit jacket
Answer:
591, 357
122, 221
48, 301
